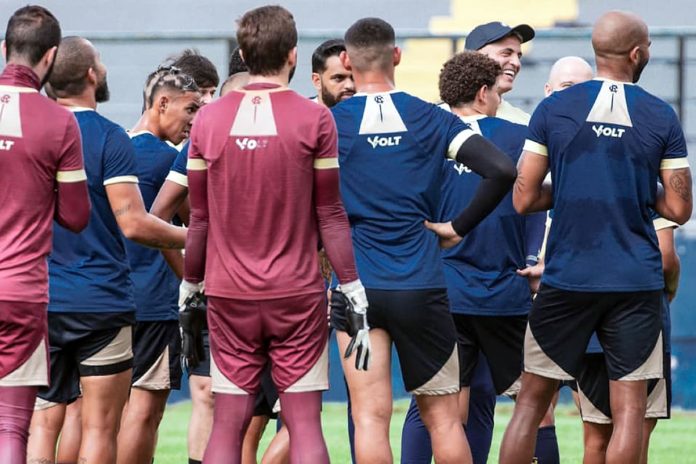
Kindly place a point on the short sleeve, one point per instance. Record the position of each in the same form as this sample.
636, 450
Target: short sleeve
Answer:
326, 154
70, 162
119, 159
178, 173
536, 141
675, 154
661, 223
444, 132
196, 160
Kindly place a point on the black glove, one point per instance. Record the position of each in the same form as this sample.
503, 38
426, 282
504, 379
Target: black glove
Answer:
357, 327
192, 320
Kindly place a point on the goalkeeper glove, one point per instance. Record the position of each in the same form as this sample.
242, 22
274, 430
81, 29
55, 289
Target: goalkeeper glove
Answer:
355, 301
192, 320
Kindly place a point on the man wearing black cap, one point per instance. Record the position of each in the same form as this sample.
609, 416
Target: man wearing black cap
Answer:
503, 44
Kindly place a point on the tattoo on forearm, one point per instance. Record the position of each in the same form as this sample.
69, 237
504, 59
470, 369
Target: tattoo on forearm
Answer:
39, 461
161, 244
121, 211
680, 181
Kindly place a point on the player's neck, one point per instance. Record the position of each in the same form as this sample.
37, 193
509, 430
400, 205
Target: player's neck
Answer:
147, 124
83, 101
614, 73
280, 79
470, 109
373, 81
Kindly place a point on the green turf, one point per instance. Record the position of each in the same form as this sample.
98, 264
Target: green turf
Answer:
672, 442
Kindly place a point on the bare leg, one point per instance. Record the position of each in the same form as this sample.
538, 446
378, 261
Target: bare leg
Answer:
371, 398
278, 451
43, 434
441, 416
103, 398
202, 402
596, 438
252, 437
141, 418
648, 427
628, 401
464, 404
71, 435
532, 403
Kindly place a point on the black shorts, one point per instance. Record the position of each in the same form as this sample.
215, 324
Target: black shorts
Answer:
628, 325
267, 403
593, 391
500, 339
419, 323
83, 345
157, 355
203, 367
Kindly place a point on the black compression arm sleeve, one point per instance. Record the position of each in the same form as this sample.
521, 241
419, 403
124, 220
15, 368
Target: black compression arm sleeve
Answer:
498, 173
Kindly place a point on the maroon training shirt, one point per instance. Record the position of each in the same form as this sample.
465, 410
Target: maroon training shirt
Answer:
263, 180
41, 177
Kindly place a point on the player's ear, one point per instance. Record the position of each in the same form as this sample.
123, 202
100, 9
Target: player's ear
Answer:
345, 60
547, 89
397, 56
481, 94
162, 103
316, 81
3, 46
292, 57
50, 56
634, 55
92, 75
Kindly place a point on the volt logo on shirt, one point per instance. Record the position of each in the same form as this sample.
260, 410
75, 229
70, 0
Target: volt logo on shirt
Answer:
250, 144
6, 144
603, 131
376, 141
461, 169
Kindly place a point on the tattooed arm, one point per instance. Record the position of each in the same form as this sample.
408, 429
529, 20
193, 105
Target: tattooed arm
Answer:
136, 223
530, 193
674, 200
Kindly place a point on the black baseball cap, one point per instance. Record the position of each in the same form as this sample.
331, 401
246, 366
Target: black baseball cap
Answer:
487, 33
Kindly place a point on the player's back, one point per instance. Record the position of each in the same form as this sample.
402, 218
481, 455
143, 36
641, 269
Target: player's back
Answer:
606, 143
93, 263
481, 270
37, 137
156, 285
391, 149
261, 146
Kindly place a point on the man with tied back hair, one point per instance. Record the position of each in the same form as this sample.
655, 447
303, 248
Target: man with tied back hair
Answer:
391, 149
41, 179
269, 155
606, 142
90, 336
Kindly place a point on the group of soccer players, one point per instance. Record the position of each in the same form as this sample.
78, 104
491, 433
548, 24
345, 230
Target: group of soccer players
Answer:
484, 289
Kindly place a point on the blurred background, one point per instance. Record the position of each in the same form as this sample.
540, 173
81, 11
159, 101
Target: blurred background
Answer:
134, 36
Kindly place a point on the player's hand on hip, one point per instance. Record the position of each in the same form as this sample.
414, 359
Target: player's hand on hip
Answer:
445, 232
355, 301
533, 275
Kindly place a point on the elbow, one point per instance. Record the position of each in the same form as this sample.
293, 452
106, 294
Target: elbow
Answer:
130, 230
520, 203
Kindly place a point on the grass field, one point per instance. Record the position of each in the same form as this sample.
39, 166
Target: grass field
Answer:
673, 441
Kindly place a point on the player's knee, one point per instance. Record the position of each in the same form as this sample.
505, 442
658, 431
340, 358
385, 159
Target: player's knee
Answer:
374, 415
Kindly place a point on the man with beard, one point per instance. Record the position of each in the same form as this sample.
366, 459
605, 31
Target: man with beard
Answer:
333, 82
91, 308
606, 142
171, 100
41, 179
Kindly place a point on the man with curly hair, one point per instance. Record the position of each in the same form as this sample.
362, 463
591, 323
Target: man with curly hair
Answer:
489, 299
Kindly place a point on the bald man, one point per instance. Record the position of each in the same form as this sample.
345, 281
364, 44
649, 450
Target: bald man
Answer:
567, 71
606, 142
